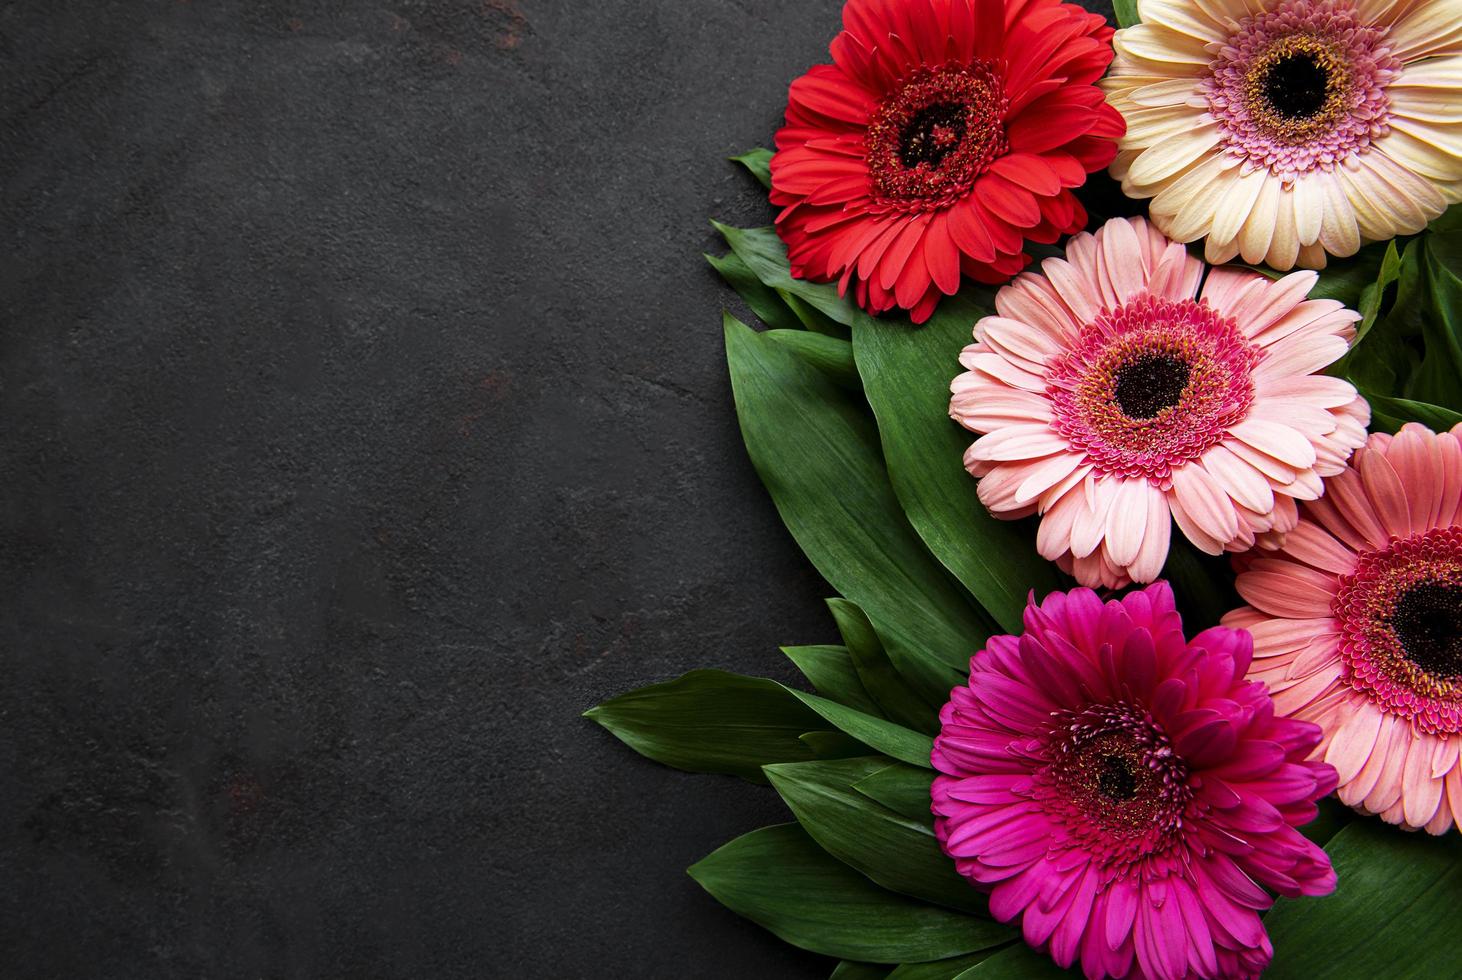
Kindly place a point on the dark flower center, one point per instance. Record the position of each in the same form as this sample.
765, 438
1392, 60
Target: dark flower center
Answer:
1296, 86
1427, 622
1149, 384
1400, 616
931, 134
1299, 89
932, 137
1115, 778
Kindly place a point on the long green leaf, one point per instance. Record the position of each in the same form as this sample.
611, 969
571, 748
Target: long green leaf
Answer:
1126, 12
897, 701
1202, 583
1439, 379
906, 372
942, 969
763, 300
876, 733
759, 162
1346, 279
812, 318
849, 970
831, 356
1333, 817
817, 452
766, 256
1393, 915
831, 671
1390, 414
1018, 962
712, 721
780, 879
896, 852
903, 789
834, 745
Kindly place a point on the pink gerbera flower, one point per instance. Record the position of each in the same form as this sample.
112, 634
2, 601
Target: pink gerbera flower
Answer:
1357, 625
1126, 792
1124, 389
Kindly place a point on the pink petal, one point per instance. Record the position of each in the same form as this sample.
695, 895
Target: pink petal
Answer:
1018, 442
1314, 546
1351, 746
1205, 502
1127, 518
1386, 492
1420, 791
1277, 440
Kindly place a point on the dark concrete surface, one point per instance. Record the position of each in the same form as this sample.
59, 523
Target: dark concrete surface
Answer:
364, 421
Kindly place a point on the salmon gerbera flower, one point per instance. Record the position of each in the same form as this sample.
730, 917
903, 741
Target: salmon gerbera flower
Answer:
944, 133
1126, 792
1127, 387
1357, 624
1286, 130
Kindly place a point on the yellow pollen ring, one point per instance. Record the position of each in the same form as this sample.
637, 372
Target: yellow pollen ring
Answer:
1327, 59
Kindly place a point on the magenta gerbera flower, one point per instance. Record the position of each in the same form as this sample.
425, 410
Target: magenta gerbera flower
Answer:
1126, 792
1129, 387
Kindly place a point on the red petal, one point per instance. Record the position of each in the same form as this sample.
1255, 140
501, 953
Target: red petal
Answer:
925, 307
1006, 200
913, 281
1070, 172
892, 264
967, 230
1092, 152
1029, 171
942, 255
830, 93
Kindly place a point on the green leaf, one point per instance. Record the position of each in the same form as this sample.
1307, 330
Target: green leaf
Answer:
1393, 915
1386, 361
1346, 279
903, 789
766, 256
1203, 584
885, 736
1390, 414
1126, 12
812, 318
780, 879
1019, 962
831, 671
1334, 815
834, 745
896, 700
1373, 293
906, 373
1450, 220
762, 299
712, 721
818, 455
896, 852
1439, 379
942, 969
759, 162
831, 356
849, 970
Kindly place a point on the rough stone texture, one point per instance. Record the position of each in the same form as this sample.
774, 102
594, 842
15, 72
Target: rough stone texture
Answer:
365, 420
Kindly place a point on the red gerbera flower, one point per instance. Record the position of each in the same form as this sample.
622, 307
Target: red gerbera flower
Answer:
944, 133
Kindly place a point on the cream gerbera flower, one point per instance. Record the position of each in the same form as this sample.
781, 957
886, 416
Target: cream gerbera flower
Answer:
1286, 129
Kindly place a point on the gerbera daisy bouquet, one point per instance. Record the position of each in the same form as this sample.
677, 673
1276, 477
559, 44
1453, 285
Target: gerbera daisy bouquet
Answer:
1111, 376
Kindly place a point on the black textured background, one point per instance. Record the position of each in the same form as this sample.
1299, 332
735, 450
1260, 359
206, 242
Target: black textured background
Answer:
365, 420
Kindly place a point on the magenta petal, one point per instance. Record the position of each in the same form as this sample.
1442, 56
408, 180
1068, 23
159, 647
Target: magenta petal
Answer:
1122, 793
